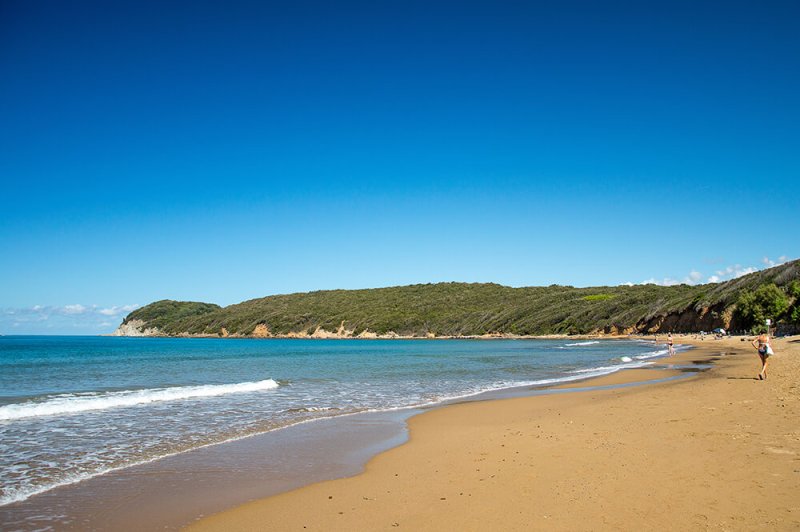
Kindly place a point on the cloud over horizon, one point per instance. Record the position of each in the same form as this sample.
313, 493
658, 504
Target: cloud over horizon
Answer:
69, 319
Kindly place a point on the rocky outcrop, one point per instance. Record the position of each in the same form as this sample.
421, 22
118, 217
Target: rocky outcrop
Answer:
261, 331
618, 330
319, 332
136, 328
688, 320
344, 332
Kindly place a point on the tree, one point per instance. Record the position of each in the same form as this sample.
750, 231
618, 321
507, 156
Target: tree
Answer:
794, 289
748, 313
794, 313
772, 300
752, 308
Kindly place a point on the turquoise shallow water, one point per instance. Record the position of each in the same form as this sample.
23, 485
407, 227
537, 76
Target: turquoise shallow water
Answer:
75, 407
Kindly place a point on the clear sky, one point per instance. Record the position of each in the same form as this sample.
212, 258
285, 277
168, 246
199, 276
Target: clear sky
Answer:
222, 151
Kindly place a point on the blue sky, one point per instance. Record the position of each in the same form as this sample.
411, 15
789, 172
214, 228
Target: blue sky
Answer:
225, 151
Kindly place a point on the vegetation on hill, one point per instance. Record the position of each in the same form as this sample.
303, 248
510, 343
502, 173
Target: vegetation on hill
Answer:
768, 301
164, 314
463, 309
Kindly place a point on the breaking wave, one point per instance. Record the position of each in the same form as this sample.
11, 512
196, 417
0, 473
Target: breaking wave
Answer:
65, 404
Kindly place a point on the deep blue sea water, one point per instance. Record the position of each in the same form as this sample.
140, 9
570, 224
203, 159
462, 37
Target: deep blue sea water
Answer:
75, 407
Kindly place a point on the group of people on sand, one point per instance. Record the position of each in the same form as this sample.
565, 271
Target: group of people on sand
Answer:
761, 343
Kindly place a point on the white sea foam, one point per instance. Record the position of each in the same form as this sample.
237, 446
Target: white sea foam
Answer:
603, 370
579, 344
662, 352
652, 354
76, 403
312, 409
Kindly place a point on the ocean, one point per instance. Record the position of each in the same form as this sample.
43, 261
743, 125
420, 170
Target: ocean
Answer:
72, 408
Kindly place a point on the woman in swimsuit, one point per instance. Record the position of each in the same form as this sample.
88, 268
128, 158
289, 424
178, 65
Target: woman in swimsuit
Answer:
764, 350
669, 345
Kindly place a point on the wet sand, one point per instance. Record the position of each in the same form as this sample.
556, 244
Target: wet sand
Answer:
720, 450
168, 493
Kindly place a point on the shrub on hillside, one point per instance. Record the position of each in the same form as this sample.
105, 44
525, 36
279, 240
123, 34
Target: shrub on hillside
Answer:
793, 289
753, 308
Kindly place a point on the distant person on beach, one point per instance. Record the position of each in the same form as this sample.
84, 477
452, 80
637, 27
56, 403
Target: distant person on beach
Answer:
764, 349
669, 344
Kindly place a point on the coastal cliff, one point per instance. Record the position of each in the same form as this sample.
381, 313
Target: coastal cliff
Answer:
474, 310
136, 328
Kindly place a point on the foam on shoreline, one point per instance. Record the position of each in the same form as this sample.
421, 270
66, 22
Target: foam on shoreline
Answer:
73, 403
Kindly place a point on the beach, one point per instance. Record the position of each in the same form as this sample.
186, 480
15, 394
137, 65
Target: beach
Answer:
718, 450
240, 419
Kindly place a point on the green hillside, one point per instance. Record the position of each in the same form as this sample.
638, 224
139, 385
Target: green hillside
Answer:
461, 309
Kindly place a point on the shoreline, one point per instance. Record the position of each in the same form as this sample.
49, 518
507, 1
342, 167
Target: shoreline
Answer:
394, 336
326, 335
440, 462
82, 498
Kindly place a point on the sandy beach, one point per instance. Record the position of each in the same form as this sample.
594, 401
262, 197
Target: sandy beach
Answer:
717, 450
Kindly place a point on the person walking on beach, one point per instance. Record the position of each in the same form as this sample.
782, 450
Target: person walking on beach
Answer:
764, 349
669, 344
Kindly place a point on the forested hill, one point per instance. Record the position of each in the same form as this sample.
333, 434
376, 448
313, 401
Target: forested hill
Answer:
462, 309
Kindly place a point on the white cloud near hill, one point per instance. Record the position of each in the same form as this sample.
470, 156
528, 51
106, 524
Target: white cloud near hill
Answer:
719, 276
694, 277
770, 263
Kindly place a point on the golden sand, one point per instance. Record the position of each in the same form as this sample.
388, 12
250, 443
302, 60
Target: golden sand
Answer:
716, 451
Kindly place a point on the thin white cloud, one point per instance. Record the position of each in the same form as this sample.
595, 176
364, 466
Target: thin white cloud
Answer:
117, 310
666, 281
694, 277
735, 271
35, 319
725, 274
766, 261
